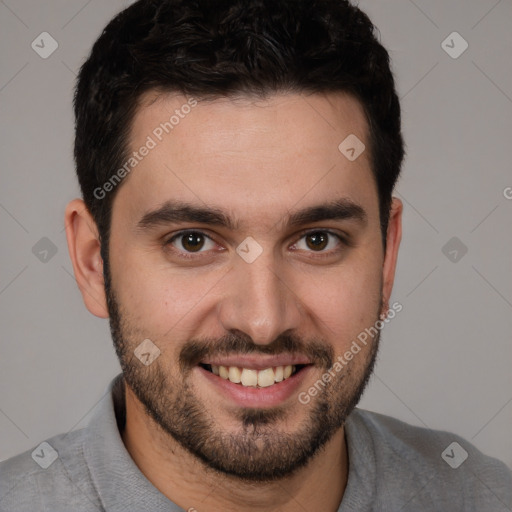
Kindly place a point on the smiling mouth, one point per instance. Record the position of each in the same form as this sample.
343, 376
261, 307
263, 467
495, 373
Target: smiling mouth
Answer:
254, 378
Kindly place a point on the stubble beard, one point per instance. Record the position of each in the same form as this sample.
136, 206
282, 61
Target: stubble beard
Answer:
258, 451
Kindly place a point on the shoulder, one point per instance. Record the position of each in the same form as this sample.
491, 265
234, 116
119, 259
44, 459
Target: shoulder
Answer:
49, 476
418, 460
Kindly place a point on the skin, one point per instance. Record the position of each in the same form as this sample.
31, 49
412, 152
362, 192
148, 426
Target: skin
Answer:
257, 160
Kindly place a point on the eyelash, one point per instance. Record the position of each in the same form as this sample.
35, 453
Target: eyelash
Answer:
191, 256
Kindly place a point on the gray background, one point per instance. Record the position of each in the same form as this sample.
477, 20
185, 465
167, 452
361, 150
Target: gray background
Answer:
445, 361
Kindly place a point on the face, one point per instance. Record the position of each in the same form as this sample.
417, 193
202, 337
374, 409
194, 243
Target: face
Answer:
246, 247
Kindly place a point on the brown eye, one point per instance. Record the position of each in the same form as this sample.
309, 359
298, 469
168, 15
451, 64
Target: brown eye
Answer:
192, 242
325, 243
317, 241
188, 242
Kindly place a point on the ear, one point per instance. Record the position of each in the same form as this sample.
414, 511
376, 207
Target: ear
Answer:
393, 238
84, 249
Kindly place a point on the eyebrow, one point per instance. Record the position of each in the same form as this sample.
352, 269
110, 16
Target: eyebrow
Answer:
178, 211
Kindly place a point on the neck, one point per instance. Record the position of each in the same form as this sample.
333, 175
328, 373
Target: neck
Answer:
185, 480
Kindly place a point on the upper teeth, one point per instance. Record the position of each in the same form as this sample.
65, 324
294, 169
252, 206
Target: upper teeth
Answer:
248, 377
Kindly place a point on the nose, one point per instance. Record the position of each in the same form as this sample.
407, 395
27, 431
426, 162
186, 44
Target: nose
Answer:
259, 300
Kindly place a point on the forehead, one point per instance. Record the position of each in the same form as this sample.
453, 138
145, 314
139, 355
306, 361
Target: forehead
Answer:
246, 154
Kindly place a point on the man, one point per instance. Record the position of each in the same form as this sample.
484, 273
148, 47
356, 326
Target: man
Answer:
237, 161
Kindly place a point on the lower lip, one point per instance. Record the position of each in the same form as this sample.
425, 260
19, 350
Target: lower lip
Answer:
246, 396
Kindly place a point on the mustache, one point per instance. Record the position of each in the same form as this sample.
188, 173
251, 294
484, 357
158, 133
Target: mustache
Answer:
236, 343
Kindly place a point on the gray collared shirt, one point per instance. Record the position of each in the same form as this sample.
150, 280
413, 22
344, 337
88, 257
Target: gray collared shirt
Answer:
392, 466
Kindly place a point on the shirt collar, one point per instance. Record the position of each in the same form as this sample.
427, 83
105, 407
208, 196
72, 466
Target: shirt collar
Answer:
122, 487
361, 489
120, 484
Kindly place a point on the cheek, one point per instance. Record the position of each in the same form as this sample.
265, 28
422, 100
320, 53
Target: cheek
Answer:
160, 300
166, 302
345, 301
